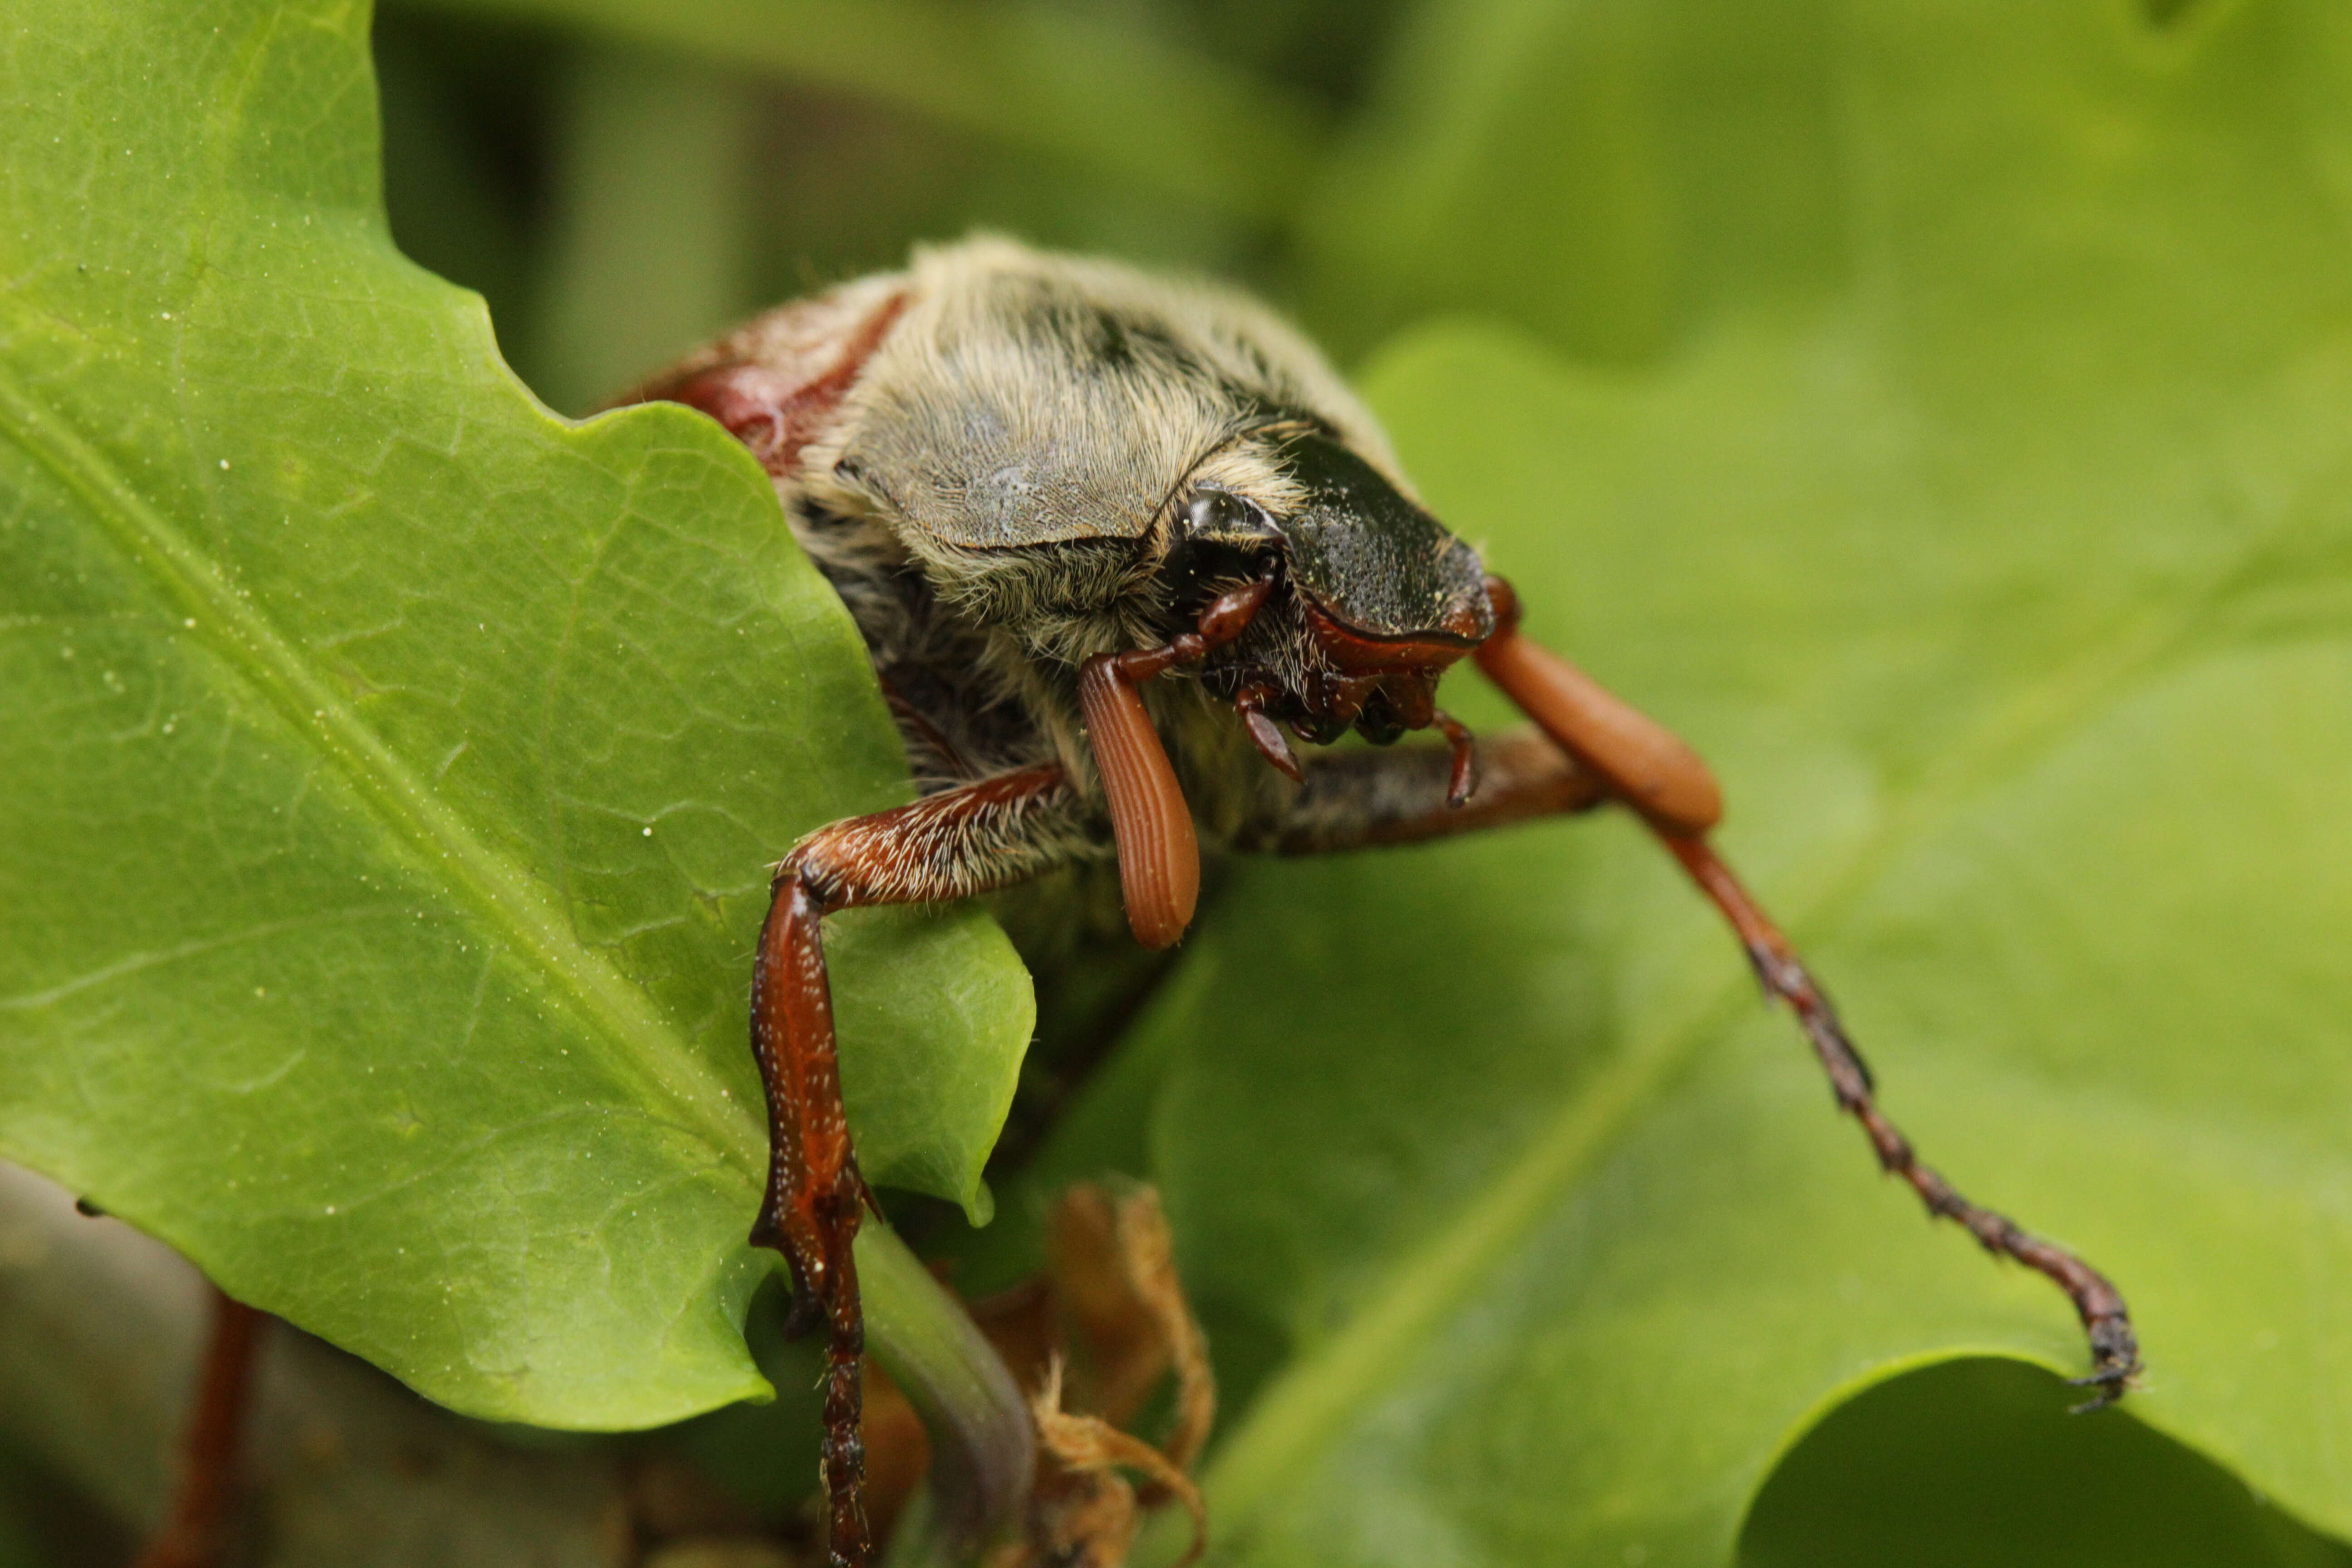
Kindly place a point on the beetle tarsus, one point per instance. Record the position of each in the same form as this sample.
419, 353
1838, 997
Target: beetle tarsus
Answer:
2115, 1347
1266, 734
842, 1460
1657, 775
2115, 1361
1462, 783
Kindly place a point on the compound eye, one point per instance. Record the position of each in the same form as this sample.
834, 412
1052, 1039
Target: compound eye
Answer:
1225, 539
1219, 513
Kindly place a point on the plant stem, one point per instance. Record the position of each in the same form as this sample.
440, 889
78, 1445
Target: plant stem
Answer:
983, 1450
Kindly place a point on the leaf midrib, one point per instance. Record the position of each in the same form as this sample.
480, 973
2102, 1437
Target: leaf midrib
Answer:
1292, 1419
629, 1036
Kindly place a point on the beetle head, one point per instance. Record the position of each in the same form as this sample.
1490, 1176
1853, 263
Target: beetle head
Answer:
1373, 598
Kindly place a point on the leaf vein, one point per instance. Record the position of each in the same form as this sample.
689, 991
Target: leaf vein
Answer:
634, 1042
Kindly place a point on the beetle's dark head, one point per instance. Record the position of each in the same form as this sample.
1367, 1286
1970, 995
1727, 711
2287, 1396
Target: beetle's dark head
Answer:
1372, 598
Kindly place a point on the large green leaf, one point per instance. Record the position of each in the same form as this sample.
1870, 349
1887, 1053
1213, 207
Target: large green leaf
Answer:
392, 767
2011, 590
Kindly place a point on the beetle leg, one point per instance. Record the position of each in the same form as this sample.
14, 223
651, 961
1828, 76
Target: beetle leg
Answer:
1264, 732
946, 846
1462, 782
1159, 857
1647, 766
1651, 770
2115, 1347
1361, 798
204, 1507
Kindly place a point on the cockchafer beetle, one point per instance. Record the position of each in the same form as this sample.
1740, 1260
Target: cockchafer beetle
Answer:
1107, 537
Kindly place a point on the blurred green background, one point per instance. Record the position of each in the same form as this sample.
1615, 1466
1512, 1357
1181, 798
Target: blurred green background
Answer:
619, 179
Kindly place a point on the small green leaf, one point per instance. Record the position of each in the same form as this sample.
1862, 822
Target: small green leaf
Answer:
395, 769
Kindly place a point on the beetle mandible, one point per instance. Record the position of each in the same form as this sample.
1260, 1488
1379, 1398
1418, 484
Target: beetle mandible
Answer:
1112, 540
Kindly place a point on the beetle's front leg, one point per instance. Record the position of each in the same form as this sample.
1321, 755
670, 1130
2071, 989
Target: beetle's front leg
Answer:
947, 845
1651, 770
203, 1519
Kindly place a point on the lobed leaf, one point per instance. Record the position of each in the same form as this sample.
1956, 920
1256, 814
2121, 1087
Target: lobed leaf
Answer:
393, 767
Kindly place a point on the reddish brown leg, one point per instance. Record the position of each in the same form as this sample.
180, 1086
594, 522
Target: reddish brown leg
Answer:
2115, 1348
946, 846
1651, 770
1462, 777
1159, 858
203, 1509
1266, 735
1362, 798
1647, 765
815, 1196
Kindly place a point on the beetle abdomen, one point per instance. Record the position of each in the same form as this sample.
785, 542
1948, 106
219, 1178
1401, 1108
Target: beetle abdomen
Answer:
778, 382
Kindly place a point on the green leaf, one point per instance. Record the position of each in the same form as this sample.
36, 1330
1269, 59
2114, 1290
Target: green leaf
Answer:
1976, 1462
393, 767
2010, 589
